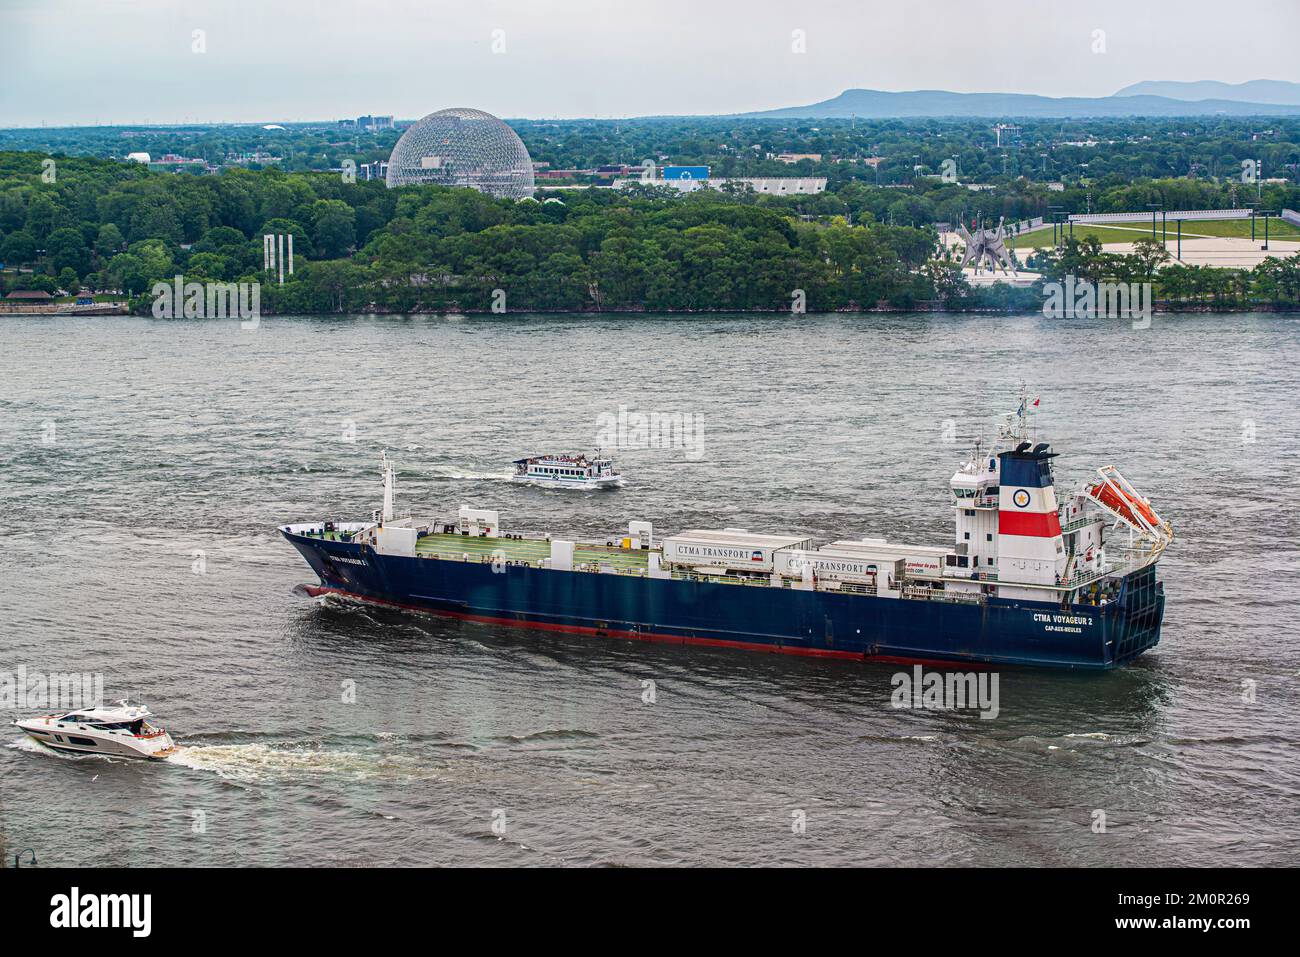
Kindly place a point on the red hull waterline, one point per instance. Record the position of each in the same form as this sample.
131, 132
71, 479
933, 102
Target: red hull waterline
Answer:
316, 591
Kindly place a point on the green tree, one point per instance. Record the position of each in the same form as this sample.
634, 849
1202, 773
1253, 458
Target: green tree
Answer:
109, 240
67, 250
19, 248
334, 230
1149, 254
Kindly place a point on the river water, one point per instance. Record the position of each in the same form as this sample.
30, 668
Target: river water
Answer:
146, 464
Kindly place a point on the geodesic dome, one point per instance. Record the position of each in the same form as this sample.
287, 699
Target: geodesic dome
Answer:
463, 147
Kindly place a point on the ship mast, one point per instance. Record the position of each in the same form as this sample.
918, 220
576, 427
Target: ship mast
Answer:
390, 477
1016, 428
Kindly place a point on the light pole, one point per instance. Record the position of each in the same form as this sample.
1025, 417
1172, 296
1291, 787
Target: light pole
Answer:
26, 850
1266, 213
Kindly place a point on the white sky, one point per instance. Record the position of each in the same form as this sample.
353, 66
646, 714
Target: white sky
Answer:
130, 61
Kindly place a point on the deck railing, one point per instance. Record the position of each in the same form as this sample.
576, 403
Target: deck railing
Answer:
1132, 559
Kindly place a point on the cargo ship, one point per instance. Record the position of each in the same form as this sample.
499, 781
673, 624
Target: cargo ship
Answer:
1027, 580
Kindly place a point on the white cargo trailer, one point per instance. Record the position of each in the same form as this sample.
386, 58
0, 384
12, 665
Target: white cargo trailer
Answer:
832, 566
919, 561
730, 549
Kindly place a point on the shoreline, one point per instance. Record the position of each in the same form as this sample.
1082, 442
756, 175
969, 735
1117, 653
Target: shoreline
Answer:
1157, 307
145, 312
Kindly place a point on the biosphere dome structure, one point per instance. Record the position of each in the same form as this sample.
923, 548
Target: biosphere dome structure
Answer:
463, 147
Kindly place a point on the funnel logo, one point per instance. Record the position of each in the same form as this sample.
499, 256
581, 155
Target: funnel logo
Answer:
1021, 498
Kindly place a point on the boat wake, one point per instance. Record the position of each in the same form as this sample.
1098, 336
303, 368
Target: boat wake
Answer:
35, 747
255, 763
29, 746
455, 472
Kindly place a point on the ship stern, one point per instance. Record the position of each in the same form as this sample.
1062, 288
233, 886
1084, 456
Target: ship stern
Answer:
1141, 612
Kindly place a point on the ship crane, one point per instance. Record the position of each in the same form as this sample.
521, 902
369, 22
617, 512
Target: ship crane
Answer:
1117, 496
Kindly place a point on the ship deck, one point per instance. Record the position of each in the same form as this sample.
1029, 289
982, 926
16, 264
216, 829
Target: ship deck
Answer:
594, 557
531, 550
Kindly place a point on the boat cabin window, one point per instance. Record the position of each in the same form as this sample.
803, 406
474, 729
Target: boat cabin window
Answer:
116, 726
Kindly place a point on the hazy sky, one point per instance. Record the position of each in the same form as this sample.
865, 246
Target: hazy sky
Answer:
133, 61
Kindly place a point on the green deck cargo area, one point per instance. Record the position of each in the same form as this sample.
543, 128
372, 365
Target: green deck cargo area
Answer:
531, 550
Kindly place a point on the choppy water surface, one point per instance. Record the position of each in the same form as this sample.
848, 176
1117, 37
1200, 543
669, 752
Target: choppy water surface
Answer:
171, 438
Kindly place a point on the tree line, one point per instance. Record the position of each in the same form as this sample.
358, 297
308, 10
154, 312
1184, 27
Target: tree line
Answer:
69, 222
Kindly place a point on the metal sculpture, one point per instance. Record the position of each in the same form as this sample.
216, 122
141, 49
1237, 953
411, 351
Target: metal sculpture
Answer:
986, 244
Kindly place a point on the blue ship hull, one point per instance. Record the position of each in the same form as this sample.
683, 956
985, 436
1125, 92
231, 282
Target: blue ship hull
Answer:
996, 632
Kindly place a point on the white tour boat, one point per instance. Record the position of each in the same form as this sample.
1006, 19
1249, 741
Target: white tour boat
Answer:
567, 471
122, 731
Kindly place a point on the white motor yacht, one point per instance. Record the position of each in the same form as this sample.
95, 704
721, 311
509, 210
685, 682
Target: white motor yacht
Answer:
123, 731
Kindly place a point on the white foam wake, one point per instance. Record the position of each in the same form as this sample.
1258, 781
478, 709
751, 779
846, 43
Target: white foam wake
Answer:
252, 763
456, 472
35, 747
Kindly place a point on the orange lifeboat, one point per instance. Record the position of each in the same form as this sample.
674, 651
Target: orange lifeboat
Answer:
1116, 495
1127, 506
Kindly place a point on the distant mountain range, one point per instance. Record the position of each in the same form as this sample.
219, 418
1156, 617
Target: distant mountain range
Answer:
1276, 92
881, 104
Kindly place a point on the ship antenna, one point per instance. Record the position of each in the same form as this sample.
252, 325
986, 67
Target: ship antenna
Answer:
1023, 414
